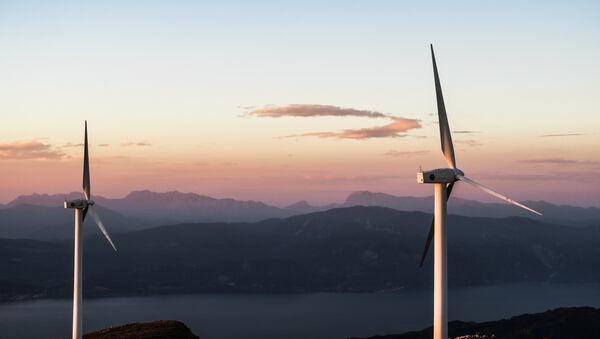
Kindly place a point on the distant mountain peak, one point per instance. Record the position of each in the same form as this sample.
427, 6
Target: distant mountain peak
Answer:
299, 204
358, 193
44, 199
168, 196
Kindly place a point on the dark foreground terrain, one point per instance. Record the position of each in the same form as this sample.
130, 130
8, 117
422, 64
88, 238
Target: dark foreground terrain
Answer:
160, 329
560, 323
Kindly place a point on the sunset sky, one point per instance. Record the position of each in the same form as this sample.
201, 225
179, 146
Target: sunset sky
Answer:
283, 102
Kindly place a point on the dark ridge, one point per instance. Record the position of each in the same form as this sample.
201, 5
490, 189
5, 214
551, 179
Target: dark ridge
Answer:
560, 323
355, 249
159, 329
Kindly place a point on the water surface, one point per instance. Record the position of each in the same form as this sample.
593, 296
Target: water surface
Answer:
293, 316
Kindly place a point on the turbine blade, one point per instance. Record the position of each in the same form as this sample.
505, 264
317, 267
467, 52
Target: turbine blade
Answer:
96, 218
85, 210
496, 194
445, 137
432, 227
86, 167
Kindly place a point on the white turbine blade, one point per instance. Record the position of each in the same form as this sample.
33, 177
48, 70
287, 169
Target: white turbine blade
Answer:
86, 167
445, 137
496, 194
96, 218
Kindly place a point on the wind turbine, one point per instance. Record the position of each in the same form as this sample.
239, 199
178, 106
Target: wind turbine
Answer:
444, 180
82, 208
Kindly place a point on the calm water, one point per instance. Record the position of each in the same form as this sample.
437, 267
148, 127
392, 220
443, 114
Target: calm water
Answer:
299, 316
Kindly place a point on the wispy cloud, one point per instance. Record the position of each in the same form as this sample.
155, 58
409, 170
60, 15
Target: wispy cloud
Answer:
330, 179
29, 149
469, 142
465, 132
561, 135
310, 110
71, 145
559, 161
103, 145
518, 177
392, 130
135, 143
407, 154
334, 179
395, 129
587, 175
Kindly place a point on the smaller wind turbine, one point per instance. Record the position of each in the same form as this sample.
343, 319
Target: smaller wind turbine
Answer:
444, 180
82, 207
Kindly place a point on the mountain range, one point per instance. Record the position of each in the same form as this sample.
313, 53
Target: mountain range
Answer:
342, 249
41, 216
165, 207
559, 214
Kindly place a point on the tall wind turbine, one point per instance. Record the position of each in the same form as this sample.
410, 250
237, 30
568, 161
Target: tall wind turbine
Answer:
82, 208
444, 180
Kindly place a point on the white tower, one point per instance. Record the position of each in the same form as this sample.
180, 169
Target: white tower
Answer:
444, 180
82, 207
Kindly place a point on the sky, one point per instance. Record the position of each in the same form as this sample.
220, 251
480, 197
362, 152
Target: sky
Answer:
286, 101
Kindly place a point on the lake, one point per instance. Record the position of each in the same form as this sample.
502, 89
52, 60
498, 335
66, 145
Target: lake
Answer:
293, 316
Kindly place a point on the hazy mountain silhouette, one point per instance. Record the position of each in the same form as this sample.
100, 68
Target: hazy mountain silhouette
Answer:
561, 214
144, 209
302, 207
42, 216
343, 249
47, 223
167, 207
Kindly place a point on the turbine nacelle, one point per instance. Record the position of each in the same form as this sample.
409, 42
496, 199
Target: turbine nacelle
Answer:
439, 176
78, 203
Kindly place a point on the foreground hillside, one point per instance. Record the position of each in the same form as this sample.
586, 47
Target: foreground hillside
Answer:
161, 329
340, 250
561, 323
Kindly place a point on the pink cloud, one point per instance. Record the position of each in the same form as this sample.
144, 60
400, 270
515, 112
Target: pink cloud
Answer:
29, 149
395, 129
71, 145
561, 135
309, 110
135, 143
560, 161
469, 142
392, 130
465, 132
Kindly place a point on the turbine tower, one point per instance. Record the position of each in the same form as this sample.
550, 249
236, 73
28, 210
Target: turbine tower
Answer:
444, 180
82, 208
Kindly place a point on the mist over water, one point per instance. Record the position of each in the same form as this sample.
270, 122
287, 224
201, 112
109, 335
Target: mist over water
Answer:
294, 316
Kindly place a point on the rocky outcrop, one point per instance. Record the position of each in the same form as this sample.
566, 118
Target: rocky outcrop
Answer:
160, 329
